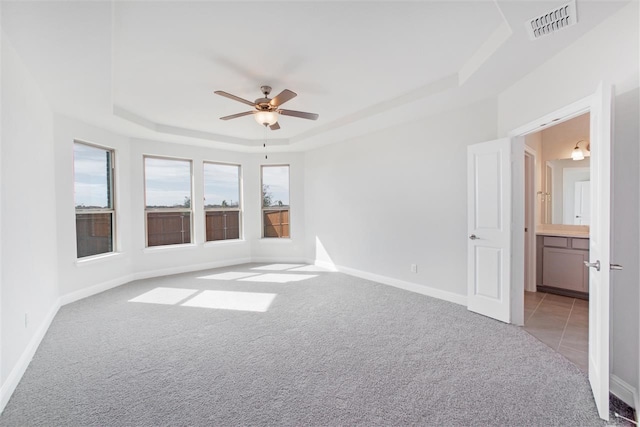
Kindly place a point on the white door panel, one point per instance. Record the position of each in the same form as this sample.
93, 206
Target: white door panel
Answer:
487, 264
599, 235
489, 228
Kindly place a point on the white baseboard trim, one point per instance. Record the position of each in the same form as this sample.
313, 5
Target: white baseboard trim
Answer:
624, 391
74, 296
101, 287
408, 286
22, 364
189, 268
277, 260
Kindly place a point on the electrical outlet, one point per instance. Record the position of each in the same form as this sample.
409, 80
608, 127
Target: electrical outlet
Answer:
26, 320
414, 268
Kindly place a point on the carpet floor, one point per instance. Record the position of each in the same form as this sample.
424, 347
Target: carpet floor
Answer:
289, 345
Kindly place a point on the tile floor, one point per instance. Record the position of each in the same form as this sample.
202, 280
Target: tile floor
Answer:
560, 322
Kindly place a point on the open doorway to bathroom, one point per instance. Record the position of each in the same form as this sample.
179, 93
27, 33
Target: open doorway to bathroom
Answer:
556, 297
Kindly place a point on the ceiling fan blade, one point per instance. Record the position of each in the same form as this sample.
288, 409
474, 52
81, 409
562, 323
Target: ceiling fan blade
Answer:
275, 126
235, 98
235, 116
301, 114
283, 97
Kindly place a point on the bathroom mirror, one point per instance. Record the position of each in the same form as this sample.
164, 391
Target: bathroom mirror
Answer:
566, 195
562, 184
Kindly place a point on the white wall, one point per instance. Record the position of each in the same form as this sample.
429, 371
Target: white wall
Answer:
28, 223
384, 201
624, 239
610, 53
2, 381
77, 276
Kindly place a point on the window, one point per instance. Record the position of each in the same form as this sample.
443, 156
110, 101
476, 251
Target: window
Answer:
93, 193
167, 201
275, 201
222, 201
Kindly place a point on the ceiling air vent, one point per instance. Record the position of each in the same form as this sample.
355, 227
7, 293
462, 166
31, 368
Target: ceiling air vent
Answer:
557, 19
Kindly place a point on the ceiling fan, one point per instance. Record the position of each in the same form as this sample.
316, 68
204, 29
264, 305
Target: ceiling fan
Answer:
267, 109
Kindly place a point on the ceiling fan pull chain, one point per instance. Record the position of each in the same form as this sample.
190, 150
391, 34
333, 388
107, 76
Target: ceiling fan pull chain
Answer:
265, 142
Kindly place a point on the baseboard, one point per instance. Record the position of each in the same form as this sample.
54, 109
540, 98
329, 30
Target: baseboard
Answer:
189, 268
623, 391
101, 287
408, 286
280, 260
22, 364
93, 290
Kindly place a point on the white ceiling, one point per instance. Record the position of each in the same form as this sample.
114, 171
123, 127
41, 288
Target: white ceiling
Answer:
149, 69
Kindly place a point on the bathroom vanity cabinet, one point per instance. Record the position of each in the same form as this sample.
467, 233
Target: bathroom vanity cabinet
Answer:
561, 266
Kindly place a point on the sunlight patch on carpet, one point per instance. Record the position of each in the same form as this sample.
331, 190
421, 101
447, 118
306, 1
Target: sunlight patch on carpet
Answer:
311, 268
169, 296
228, 300
278, 278
230, 275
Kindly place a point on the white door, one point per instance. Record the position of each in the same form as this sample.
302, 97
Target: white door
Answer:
582, 202
599, 248
489, 228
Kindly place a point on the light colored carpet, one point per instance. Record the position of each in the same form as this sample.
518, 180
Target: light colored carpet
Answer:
330, 350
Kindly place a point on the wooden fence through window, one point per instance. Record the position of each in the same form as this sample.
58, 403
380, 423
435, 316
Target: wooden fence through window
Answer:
94, 233
168, 228
222, 225
276, 222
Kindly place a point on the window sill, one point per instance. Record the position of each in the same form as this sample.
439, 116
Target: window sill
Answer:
230, 242
169, 248
96, 259
280, 240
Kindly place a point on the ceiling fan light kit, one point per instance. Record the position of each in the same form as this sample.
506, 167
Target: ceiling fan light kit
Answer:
266, 111
266, 118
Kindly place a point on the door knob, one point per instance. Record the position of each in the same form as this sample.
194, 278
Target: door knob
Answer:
595, 265
473, 237
615, 267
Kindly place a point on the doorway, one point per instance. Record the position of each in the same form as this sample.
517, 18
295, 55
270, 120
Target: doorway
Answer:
556, 290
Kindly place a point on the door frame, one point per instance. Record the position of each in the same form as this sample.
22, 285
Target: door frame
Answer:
530, 193
598, 104
517, 249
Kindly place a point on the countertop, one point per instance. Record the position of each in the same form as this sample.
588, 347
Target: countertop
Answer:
581, 231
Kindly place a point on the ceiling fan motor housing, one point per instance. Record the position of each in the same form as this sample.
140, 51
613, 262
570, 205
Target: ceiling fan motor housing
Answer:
262, 104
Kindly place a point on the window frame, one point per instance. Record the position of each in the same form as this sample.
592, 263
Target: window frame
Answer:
167, 210
239, 209
274, 208
112, 198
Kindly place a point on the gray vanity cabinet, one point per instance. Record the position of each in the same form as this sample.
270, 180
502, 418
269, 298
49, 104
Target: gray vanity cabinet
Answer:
562, 264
